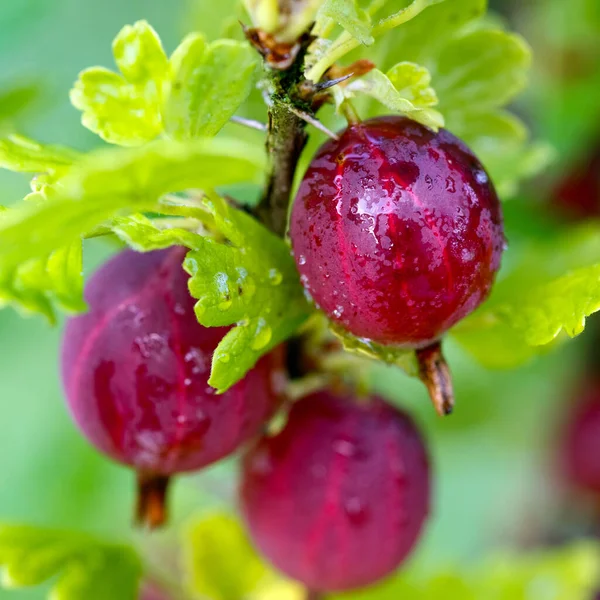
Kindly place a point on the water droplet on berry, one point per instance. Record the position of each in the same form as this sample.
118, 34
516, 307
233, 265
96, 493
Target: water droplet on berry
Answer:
481, 177
187, 382
355, 510
467, 255
196, 360
338, 312
152, 345
345, 447
179, 309
302, 259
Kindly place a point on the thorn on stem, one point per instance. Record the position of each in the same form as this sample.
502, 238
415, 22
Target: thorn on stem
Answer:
314, 122
251, 123
435, 374
151, 510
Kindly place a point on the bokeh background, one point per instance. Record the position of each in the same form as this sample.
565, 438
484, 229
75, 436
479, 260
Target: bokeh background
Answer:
495, 459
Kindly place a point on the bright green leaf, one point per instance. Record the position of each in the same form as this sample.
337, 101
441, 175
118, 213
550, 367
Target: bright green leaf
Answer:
481, 70
219, 559
37, 285
141, 234
413, 82
210, 82
500, 140
139, 54
554, 287
379, 86
351, 17
420, 40
104, 185
126, 109
251, 282
18, 153
83, 566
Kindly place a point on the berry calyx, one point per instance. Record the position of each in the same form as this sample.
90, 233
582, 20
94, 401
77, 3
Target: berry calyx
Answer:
338, 498
397, 231
135, 369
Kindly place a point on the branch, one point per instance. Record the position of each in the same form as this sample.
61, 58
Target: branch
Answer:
286, 139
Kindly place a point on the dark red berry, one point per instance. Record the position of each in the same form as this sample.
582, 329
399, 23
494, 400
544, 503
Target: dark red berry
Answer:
397, 231
338, 499
135, 370
581, 454
578, 194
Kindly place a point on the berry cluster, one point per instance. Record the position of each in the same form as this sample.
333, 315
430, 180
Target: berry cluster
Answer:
397, 233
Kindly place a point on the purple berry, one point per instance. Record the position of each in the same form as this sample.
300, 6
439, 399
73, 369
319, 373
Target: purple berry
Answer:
135, 370
397, 231
338, 499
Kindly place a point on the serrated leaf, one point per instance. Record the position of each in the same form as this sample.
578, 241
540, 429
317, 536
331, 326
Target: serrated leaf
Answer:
500, 141
21, 154
555, 286
421, 38
125, 109
141, 234
413, 82
84, 567
219, 559
251, 282
101, 187
482, 69
379, 86
351, 17
400, 357
210, 82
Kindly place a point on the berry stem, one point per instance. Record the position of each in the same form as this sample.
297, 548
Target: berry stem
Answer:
151, 510
286, 139
435, 374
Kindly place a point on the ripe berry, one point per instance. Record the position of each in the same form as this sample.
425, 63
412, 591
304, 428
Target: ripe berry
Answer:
135, 370
578, 193
581, 450
397, 231
338, 499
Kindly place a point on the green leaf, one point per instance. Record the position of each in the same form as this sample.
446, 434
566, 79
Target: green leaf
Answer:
99, 188
251, 282
142, 234
500, 140
18, 153
481, 70
210, 82
553, 288
400, 357
84, 567
345, 43
15, 101
126, 109
414, 82
421, 39
37, 285
351, 17
219, 559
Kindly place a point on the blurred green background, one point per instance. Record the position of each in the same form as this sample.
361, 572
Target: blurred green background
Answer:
495, 484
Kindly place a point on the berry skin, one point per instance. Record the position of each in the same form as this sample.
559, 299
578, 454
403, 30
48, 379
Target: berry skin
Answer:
135, 370
397, 231
581, 449
338, 499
